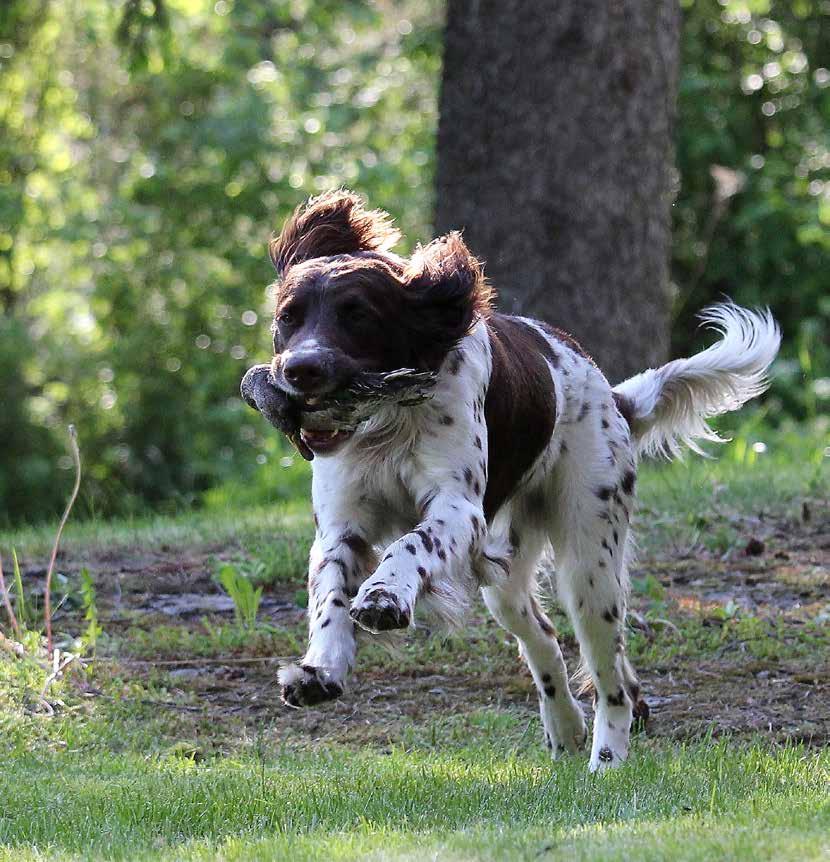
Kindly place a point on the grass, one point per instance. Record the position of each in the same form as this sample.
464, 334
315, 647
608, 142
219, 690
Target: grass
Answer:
171, 743
701, 801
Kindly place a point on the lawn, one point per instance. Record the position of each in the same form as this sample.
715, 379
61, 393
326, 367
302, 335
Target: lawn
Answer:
168, 740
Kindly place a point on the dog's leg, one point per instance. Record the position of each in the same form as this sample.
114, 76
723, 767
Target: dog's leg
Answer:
341, 557
592, 583
514, 606
432, 561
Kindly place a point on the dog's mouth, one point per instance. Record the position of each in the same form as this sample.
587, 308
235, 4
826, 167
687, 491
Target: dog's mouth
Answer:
323, 441
320, 434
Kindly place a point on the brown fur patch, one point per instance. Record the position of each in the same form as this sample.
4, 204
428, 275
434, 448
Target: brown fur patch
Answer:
626, 407
520, 407
329, 224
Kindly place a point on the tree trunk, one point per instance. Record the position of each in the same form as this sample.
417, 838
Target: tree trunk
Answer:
554, 156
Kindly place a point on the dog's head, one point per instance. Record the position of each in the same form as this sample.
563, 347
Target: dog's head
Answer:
346, 304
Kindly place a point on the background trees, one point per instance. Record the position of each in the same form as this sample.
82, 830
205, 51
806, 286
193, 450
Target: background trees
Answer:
142, 168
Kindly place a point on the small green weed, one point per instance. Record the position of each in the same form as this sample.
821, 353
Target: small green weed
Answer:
90, 607
246, 598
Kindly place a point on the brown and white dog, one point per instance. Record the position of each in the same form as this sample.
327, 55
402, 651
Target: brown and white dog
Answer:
524, 447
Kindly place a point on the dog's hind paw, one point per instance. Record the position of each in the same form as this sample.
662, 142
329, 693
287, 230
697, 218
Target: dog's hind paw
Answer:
304, 685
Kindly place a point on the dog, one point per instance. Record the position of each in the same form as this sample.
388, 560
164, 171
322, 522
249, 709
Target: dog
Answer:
523, 447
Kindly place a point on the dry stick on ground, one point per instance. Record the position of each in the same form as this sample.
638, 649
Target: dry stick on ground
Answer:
7, 603
60, 661
47, 603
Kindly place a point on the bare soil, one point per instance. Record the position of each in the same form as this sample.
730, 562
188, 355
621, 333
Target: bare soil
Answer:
779, 577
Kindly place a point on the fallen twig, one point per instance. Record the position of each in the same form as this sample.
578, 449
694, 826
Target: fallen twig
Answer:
47, 603
7, 602
59, 665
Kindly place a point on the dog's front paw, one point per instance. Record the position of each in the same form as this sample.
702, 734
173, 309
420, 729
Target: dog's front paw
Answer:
304, 685
379, 611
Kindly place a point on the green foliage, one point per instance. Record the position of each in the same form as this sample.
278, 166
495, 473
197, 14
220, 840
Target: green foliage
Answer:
144, 165
246, 599
90, 608
148, 149
21, 609
752, 218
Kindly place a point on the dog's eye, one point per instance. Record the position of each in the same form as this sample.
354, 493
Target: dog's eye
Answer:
355, 312
287, 317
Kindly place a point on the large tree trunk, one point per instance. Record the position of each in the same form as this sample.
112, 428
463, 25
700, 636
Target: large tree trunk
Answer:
554, 156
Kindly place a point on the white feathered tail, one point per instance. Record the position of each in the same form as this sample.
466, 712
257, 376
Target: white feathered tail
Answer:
670, 405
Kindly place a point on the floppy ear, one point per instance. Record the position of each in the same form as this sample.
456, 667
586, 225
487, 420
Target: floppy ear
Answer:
331, 223
448, 292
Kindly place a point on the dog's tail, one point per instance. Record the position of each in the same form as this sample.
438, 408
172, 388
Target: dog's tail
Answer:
667, 407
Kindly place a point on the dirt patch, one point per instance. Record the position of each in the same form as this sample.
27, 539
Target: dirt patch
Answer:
733, 643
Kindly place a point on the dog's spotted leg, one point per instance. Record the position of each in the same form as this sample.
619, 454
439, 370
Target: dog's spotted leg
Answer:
431, 562
515, 607
592, 588
340, 559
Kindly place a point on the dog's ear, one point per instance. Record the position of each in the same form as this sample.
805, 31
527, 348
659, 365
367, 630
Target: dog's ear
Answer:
331, 223
448, 291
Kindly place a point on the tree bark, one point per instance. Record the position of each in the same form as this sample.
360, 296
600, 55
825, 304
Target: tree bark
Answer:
555, 158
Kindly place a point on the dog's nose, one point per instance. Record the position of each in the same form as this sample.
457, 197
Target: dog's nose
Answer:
306, 372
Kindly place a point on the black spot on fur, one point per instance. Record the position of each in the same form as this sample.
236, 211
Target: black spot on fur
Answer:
498, 561
478, 442
606, 755
542, 621
355, 543
422, 571
546, 677
550, 691
628, 481
616, 699
411, 549
447, 420
605, 493
425, 539
608, 616
325, 623
338, 603
340, 565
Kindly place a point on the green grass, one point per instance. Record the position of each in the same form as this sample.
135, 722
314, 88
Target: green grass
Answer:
483, 801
